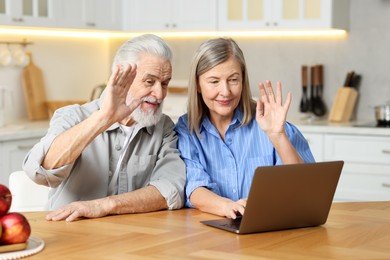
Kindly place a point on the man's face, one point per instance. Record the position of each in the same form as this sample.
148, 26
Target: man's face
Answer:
153, 74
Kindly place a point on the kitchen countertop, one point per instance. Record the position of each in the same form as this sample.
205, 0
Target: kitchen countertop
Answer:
353, 127
23, 129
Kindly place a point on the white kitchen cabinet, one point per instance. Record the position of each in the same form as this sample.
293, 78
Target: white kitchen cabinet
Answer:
27, 13
366, 173
89, 14
316, 144
282, 14
12, 154
169, 15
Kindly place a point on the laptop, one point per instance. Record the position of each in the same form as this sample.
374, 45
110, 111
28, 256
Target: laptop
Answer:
285, 197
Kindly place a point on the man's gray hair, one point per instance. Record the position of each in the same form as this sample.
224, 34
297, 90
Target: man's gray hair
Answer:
130, 51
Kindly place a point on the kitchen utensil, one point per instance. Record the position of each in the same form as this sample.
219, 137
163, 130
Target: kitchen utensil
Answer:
5, 56
319, 108
348, 78
345, 100
34, 91
355, 81
305, 102
312, 93
20, 57
343, 105
382, 114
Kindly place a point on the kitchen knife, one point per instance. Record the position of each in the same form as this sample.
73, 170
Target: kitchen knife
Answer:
355, 81
348, 78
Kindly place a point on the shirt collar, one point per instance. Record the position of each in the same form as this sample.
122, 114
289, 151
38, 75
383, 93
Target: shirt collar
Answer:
137, 127
115, 126
236, 121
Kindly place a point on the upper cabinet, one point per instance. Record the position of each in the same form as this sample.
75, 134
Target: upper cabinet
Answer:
169, 15
177, 15
27, 13
89, 14
282, 14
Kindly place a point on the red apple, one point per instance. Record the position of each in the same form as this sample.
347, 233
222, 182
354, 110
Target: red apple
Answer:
5, 199
16, 228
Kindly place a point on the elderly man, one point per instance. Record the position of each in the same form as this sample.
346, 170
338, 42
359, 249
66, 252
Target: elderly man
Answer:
117, 154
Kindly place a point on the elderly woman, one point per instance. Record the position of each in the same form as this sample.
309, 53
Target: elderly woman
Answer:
226, 135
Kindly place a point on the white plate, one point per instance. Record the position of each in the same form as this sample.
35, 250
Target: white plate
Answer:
34, 246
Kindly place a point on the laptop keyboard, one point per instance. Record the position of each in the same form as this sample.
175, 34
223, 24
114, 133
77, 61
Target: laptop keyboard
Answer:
233, 223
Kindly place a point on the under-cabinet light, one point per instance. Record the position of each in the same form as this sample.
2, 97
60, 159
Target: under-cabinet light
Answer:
174, 34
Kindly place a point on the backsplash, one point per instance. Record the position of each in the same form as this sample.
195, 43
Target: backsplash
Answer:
73, 67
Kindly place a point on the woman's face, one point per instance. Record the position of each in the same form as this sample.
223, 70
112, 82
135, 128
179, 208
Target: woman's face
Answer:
221, 89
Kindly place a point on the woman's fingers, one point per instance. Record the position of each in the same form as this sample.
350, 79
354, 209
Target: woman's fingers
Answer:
263, 93
278, 93
270, 91
267, 93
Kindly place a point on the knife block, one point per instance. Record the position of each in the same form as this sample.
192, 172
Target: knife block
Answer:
343, 105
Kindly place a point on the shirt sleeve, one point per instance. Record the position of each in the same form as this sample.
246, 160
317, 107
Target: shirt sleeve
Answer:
62, 120
169, 173
299, 142
196, 174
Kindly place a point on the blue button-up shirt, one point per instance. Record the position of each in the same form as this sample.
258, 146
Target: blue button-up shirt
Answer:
227, 167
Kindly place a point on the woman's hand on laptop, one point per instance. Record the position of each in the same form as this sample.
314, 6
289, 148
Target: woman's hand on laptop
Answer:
235, 208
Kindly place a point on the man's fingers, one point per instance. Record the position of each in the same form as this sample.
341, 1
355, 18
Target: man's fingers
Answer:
123, 76
73, 216
113, 76
59, 214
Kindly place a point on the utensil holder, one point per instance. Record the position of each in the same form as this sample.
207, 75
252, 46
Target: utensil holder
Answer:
343, 105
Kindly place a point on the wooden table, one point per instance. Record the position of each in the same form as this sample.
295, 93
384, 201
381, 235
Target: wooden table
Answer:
353, 231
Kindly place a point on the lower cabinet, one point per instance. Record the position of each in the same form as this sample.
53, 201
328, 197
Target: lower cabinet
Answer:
316, 144
366, 171
12, 154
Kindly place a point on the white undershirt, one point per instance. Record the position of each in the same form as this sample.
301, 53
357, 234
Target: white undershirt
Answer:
113, 185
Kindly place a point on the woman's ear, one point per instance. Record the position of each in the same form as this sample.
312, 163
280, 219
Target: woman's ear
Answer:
198, 88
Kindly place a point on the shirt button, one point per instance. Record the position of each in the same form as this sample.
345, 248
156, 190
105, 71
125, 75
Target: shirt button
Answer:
117, 147
234, 190
110, 173
229, 140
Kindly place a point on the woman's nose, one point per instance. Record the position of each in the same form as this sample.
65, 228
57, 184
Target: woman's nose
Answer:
225, 88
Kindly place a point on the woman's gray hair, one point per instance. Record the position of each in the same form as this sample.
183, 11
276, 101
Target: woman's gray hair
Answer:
210, 54
130, 51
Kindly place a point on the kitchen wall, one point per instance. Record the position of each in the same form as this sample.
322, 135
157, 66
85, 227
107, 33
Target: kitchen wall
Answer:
73, 67
365, 50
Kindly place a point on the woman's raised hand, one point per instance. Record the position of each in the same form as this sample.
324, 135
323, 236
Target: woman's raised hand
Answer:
271, 113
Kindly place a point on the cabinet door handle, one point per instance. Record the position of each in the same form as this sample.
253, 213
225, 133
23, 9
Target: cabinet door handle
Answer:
25, 147
386, 185
19, 20
91, 24
386, 151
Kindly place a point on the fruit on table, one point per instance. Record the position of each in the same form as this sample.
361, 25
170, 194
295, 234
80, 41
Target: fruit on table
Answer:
5, 199
15, 227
